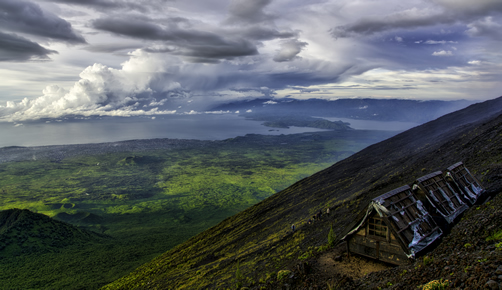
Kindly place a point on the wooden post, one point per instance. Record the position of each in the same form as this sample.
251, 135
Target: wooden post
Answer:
348, 250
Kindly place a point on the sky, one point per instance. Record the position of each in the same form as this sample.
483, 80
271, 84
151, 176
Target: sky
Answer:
150, 57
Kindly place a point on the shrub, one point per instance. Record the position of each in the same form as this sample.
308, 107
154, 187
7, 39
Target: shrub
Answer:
238, 276
497, 235
322, 248
331, 237
282, 274
428, 260
437, 285
305, 255
332, 285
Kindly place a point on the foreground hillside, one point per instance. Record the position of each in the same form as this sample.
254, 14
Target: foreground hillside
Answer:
254, 246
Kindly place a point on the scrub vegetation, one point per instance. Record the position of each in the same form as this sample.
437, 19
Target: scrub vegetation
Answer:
147, 202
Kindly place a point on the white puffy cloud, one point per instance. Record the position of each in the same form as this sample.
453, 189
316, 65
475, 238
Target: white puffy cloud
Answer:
439, 42
101, 90
442, 53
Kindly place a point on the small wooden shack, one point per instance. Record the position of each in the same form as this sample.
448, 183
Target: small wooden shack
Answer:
465, 182
393, 229
441, 195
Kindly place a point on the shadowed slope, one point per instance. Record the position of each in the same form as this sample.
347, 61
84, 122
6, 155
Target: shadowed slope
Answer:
26, 232
259, 237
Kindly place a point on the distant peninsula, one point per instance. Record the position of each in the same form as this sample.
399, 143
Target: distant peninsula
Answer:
288, 120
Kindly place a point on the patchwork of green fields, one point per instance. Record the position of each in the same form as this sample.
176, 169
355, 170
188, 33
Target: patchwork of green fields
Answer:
151, 201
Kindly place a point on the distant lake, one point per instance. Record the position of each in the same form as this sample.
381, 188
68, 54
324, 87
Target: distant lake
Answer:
201, 127
112, 129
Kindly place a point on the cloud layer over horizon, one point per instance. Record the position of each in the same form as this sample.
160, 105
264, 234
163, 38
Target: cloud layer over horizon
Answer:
123, 58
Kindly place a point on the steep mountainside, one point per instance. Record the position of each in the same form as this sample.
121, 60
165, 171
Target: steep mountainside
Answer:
254, 246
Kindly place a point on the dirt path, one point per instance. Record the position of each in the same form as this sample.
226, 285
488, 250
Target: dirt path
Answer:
353, 266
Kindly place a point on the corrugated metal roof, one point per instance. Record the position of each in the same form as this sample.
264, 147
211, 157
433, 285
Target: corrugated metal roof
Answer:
442, 195
411, 220
466, 182
429, 176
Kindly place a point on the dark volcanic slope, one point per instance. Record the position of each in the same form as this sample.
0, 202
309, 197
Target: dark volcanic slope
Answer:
259, 238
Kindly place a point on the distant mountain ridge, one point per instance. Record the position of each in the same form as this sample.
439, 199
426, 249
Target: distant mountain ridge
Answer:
253, 247
364, 109
25, 232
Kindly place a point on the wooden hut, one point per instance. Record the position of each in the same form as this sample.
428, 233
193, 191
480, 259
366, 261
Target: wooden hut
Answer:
393, 229
465, 182
441, 195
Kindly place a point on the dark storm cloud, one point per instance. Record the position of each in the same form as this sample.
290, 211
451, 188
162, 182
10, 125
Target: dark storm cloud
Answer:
139, 5
111, 47
468, 8
28, 17
262, 32
200, 46
137, 27
411, 18
177, 36
248, 19
245, 11
446, 12
16, 48
219, 49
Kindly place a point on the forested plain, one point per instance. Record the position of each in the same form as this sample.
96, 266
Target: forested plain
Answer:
145, 202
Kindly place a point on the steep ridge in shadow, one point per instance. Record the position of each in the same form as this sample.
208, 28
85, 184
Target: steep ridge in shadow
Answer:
252, 247
25, 232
